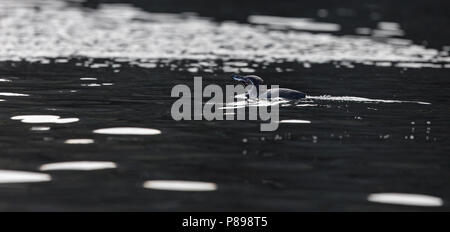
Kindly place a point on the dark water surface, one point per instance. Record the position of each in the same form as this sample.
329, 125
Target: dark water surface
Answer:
352, 148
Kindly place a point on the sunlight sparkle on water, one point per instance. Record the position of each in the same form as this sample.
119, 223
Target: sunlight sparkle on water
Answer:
78, 165
12, 176
128, 131
180, 185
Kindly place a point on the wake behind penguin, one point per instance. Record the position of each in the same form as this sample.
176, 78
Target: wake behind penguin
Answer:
252, 84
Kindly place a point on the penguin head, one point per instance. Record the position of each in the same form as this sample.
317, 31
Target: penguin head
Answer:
248, 80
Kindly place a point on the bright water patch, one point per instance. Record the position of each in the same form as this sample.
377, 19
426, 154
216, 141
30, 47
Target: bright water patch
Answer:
78, 166
417, 65
12, 176
405, 199
293, 23
297, 121
40, 128
91, 85
180, 185
79, 141
63, 120
13, 94
128, 131
44, 119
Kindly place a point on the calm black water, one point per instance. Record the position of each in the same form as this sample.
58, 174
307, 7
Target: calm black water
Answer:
351, 148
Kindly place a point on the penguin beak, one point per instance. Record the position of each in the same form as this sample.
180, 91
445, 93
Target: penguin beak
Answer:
239, 78
236, 77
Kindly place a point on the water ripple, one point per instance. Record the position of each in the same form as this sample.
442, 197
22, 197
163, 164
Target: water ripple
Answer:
405, 199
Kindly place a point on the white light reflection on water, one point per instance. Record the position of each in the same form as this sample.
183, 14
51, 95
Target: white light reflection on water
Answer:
12, 176
79, 141
298, 121
405, 199
63, 120
40, 128
417, 65
44, 119
91, 85
128, 131
36, 117
293, 23
180, 185
78, 166
13, 94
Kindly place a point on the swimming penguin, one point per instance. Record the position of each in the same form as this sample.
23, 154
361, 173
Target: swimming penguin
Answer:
255, 81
